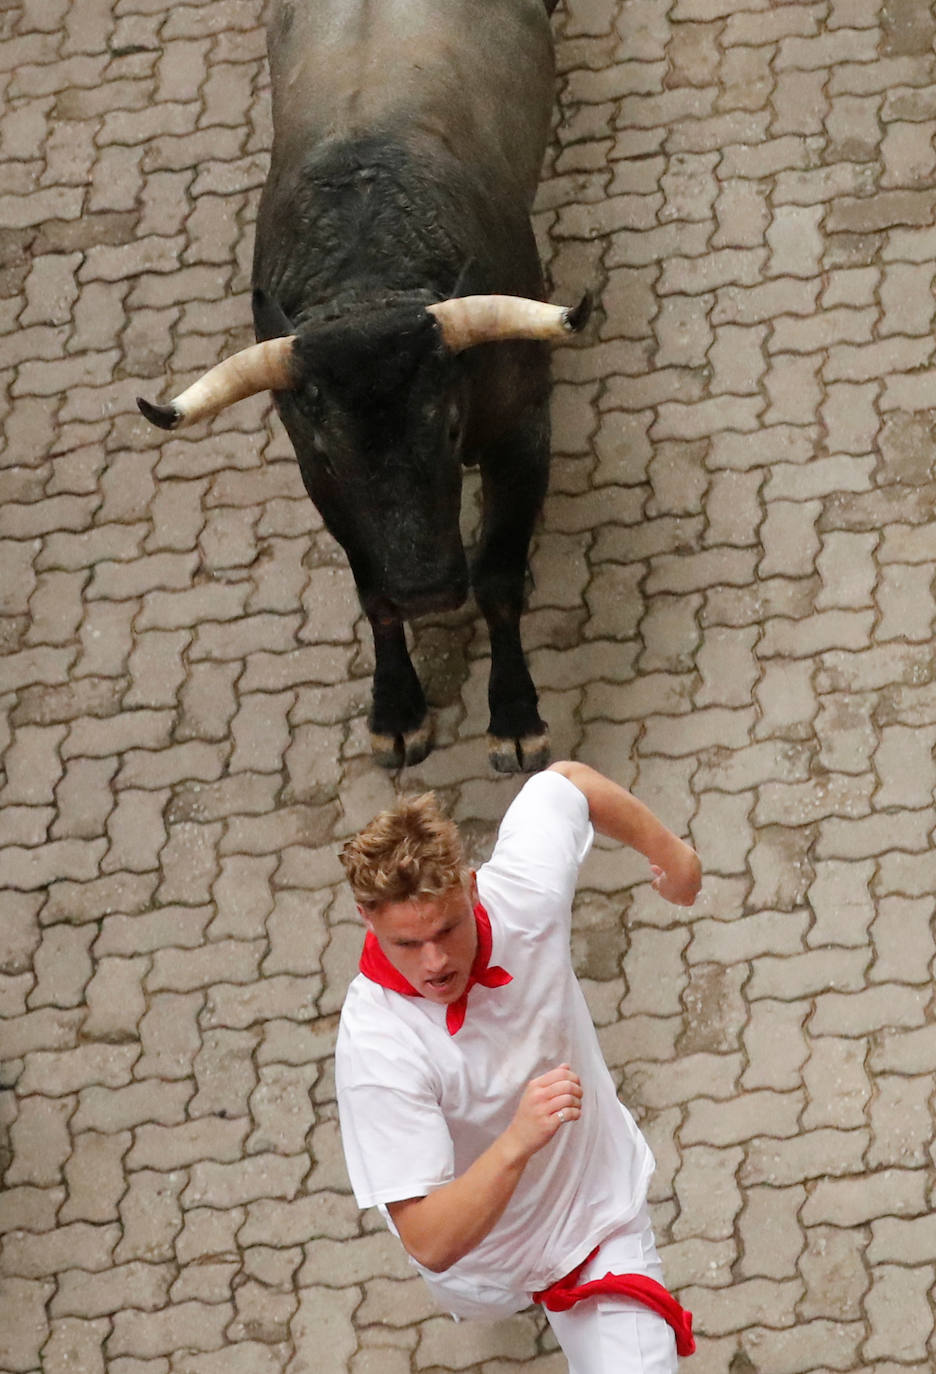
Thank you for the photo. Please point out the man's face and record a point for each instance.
(432, 941)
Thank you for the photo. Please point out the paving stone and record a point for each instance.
(221, 961)
(84, 798)
(101, 737)
(363, 1258)
(13, 993)
(297, 932)
(136, 830)
(893, 1238)
(62, 965)
(278, 995)
(57, 1073)
(750, 1303)
(322, 1322)
(903, 1051)
(240, 795)
(842, 1202)
(30, 1208)
(686, 1261)
(781, 873)
(225, 1073)
(110, 1109)
(75, 1343)
(830, 1343)
(871, 1009)
(243, 897)
(786, 699)
(95, 1178)
(841, 903)
(237, 1357)
(836, 1279)
(23, 1339)
(770, 1233)
(169, 1036)
(720, 1124)
(40, 1140)
(146, 931)
(905, 598)
(48, 1028)
(792, 804)
(746, 937)
(176, 1144)
(902, 938)
(273, 1268)
(193, 1326)
(898, 1118)
(498, 1339)
(714, 1172)
(663, 1085)
(142, 1286)
(898, 1307)
(150, 1216)
(270, 1222)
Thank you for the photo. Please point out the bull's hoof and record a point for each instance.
(528, 754)
(398, 751)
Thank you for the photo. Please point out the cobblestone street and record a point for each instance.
(731, 612)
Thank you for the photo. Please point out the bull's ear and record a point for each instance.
(270, 319)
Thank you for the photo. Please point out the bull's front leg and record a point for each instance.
(400, 729)
(514, 476)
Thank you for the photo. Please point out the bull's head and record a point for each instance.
(374, 403)
(270, 366)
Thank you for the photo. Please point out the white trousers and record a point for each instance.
(618, 1335)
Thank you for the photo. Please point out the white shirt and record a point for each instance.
(418, 1106)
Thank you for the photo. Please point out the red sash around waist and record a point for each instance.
(565, 1293)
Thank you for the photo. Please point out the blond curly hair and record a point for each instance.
(411, 851)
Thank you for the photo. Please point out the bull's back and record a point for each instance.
(473, 78)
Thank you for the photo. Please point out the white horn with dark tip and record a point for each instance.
(266, 366)
(469, 320)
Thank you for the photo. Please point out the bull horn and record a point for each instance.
(266, 366)
(469, 320)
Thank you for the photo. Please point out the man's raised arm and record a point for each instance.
(617, 813)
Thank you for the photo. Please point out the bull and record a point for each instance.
(398, 304)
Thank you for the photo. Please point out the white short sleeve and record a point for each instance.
(396, 1142)
(543, 839)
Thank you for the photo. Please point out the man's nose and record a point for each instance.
(433, 959)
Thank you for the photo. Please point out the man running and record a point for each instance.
(476, 1108)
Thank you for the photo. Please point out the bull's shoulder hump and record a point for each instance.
(379, 37)
(481, 87)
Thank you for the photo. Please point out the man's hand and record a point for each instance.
(678, 874)
(537, 1119)
(441, 1227)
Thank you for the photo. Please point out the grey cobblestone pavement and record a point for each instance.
(731, 612)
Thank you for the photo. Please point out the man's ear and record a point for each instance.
(364, 916)
(473, 890)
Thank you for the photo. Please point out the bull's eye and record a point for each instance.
(308, 401)
(323, 460)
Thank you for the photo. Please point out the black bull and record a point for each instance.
(398, 309)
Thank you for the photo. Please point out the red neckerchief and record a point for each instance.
(377, 967)
(564, 1293)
